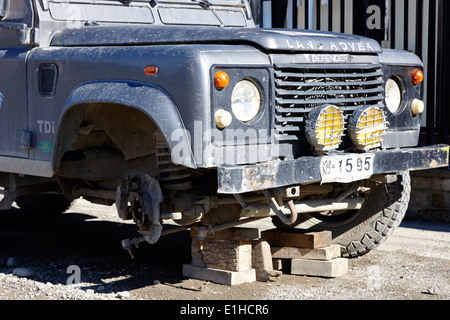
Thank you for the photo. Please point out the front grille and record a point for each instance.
(299, 88)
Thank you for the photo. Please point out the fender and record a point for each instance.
(153, 101)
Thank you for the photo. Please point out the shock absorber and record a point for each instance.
(171, 176)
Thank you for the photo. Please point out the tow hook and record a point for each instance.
(276, 208)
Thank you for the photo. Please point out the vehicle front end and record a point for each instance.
(219, 123)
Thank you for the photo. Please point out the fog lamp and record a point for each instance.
(325, 127)
(367, 126)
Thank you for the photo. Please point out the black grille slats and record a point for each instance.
(299, 88)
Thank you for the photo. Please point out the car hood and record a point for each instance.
(267, 39)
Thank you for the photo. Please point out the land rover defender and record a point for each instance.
(184, 110)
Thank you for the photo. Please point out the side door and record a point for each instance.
(15, 19)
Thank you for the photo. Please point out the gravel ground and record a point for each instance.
(78, 256)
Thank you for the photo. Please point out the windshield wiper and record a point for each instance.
(205, 4)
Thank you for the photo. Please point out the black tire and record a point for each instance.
(359, 232)
(43, 204)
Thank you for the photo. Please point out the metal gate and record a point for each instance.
(419, 26)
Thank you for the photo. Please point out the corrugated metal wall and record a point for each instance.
(419, 26)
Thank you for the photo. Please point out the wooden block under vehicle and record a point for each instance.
(229, 249)
(240, 234)
(295, 238)
(324, 253)
(320, 268)
(225, 277)
(262, 261)
(231, 255)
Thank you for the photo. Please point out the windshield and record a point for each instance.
(230, 13)
(214, 2)
(126, 2)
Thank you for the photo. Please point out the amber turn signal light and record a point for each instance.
(417, 76)
(221, 79)
(151, 70)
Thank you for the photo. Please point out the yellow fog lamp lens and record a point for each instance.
(325, 127)
(367, 126)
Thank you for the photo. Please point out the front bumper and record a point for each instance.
(247, 178)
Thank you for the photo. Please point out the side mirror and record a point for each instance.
(3, 5)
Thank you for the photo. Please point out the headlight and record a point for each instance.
(393, 95)
(245, 101)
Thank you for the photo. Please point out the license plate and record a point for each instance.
(346, 168)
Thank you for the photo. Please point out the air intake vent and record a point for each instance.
(48, 74)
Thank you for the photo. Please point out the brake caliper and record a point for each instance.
(139, 197)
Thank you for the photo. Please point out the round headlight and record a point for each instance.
(245, 101)
(393, 95)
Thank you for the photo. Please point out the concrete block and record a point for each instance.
(324, 253)
(320, 268)
(225, 277)
(297, 239)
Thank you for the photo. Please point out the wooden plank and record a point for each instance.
(262, 261)
(320, 268)
(294, 238)
(229, 255)
(230, 234)
(225, 277)
(324, 253)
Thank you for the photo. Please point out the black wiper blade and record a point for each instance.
(203, 3)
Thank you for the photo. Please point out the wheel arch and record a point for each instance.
(151, 101)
